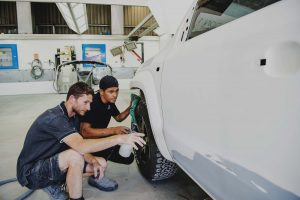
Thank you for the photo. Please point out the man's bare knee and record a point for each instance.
(70, 158)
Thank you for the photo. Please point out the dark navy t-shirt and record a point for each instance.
(44, 138)
(100, 113)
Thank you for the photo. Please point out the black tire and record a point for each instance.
(150, 161)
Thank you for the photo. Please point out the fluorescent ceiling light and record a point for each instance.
(74, 15)
(140, 25)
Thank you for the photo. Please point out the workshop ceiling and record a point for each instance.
(103, 2)
(163, 14)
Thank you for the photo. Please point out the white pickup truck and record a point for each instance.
(222, 100)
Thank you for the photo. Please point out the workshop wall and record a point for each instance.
(45, 47)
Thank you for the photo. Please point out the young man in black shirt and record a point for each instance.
(94, 123)
(55, 153)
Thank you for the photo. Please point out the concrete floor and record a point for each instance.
(17, 114)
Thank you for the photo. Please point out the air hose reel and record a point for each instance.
(37, 70)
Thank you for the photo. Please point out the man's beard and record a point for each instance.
(79, 112)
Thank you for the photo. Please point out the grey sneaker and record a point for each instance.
(104, 184)
(56, 192)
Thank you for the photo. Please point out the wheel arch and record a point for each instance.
(144, 82)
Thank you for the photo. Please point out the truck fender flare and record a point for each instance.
(144, 81)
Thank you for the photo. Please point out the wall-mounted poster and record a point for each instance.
(95, 52)
(8, 56)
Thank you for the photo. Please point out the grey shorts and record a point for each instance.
(44, 173)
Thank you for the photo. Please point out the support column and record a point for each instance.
(117, 20)
(24, 17)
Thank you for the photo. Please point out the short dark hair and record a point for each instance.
(79, 89)
(108, 82)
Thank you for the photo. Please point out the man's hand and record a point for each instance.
(98, 169)
(119, 130)
(132, 139)
(95, 167)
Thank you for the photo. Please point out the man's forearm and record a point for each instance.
(123, 115)
(94, 145)
(83, 146)
(89, 132)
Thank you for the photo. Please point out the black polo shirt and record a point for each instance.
(45, 139)
(100, 113)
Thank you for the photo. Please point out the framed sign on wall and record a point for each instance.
(8, 56)
(95, 52)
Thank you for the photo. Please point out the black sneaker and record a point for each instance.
(104, 184)
(56, 192)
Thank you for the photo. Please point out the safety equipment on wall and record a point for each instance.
(68, 73)
(130, 47)
(37, 70)
(65, 56)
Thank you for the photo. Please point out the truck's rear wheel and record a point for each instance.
(150, 161)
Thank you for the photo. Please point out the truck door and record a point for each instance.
(230, 98)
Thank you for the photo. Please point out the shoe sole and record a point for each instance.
(109, 189)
